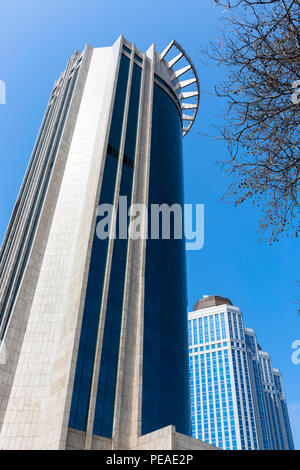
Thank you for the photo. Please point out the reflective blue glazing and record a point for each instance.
(90, 321)
(211, 398)
(165, 395)
(24, 188)
(287, 425)
(34, 211)
(258, 391)
(284, 411)
(110, 350)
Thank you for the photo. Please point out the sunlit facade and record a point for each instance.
(237, 398)
(96, 328)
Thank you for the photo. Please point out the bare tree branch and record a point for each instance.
(260, 50)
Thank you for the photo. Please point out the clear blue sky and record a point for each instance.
(36, 40)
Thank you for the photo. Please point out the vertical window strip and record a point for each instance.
(103, 422)
(93, 299)
(34, 215)
(190, 333)
(242, 331)
(230, 326)
(218, 332)
(164, 316)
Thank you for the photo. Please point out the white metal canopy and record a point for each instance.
(191, 82)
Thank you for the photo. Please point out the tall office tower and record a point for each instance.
(96, 345)
(276, 407)
(257, 384)
(237, 398)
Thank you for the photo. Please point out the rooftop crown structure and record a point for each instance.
(96, 345)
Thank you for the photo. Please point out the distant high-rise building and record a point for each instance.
(96, 346)
(259, 398)
(280, 434)
(237, 398)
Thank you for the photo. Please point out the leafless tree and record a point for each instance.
(260, 51)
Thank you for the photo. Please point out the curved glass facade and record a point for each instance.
(165, 398)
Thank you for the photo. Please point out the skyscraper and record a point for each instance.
(280, 434)
(237, 398)
(256, 377)
(273, 422)
(96, 345)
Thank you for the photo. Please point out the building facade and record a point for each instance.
(237, 398)
(259, 399)
(280, 434)
(96, 347)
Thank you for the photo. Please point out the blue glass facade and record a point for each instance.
(237, 398)
(165, 387)
(115, 299)
(40, 166)
(258, 390)
(280, 435)
(165, 398)
(283, 409)
(110, 349)
(91, 313)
